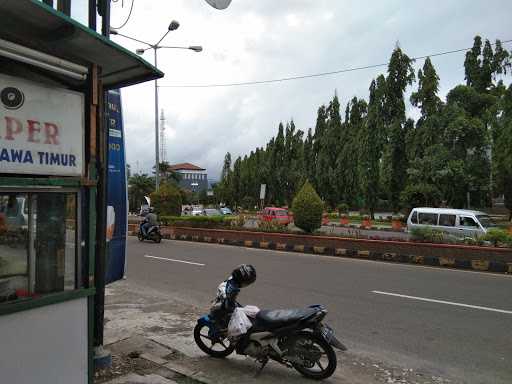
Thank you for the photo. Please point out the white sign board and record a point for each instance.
(41, 129)
(263, 189)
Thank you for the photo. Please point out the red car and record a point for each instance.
(275, 215)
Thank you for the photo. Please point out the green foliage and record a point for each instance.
(307, 209)
(503, 149)
(271, 226)
(138, 187)
(167, 201)
(237, 221)
(498, 237)
(199, 221)
(428, 234)
(373, 156)
(372, 140)
(420, 195)
(343, 208)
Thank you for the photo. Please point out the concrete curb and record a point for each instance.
(442, 261)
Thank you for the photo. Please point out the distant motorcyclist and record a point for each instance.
(150, 220)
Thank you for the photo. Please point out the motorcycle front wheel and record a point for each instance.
(157, 237)
(140, 236)
(214, 347)
(318, 358)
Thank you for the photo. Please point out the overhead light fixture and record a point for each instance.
(42, 60)
(174, 25)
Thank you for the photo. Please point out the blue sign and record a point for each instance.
(117, 198)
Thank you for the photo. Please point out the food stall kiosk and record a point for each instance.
(54, 74)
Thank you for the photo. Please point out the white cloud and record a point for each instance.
(254, 40)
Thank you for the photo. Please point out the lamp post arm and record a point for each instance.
(163, 37)
(170, 46)
(131, 38)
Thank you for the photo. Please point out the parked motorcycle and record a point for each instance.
(296, 338)
(153, 233)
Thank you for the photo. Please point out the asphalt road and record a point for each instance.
(465, 334)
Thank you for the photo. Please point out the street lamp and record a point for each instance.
(174, 25)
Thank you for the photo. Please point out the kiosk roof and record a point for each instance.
(38, 26)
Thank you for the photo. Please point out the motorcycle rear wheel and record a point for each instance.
(324, 361)
(201, 333)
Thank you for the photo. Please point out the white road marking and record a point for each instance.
(350, 259)
(177, 261)
(444, 302)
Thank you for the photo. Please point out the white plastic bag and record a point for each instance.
(250, 310)
(239, 323)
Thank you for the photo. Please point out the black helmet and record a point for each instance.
(244, 275)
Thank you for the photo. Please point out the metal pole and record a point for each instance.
(101, 357)
(157, 144)
(92, 15)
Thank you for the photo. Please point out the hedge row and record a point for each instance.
(199, 221)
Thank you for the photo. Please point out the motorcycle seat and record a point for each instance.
(276, 318)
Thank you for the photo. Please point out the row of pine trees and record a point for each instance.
(377, 158)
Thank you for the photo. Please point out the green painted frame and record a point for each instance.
(88, 198)
(28, 182)
(54, 298)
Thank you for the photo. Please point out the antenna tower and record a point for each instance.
(163, 147)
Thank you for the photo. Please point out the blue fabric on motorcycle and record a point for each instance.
(232, 289)
(277, 318)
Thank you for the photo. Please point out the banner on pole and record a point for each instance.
(117, 209)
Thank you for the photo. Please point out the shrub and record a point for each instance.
(343, 209)
(167, 201)
(269, 226)
(428, 234)
(498, 236)
(307, 209)
(238, 221)
(198, 221)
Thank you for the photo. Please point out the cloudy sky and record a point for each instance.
(266, 39)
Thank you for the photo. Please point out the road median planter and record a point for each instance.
(444, 255)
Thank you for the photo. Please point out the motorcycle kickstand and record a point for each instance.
(263, 363)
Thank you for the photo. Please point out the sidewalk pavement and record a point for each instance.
(150, 337)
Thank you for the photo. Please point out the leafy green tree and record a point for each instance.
(376, 153)
(224, 189)
(236, 182)
(276, 177)
(307, 209)
(329, 124)
(350, 157)
(320, 152)
(466, 135)
(371, 144)
(400, 75)
(138, 187)
(293, 164)
(503, 151)
(166, 174)
(309, 157)
(167, 201)
(481, 66)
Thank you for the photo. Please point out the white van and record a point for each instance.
(458, 222)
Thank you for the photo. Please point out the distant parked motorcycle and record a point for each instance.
(153, 233)
(296, 338)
